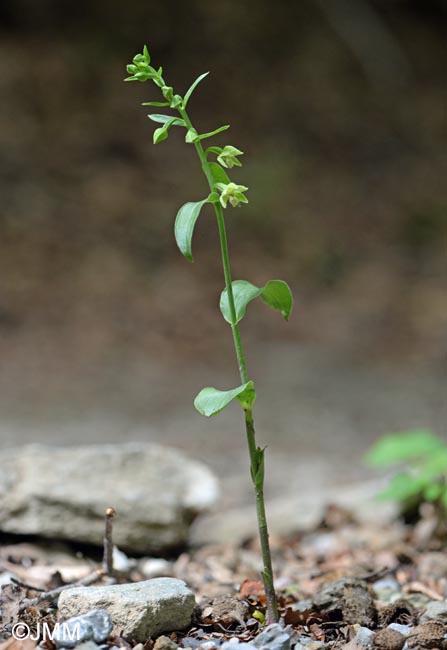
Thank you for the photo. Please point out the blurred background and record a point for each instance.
(107, 333)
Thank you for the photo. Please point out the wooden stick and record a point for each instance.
(107, 562)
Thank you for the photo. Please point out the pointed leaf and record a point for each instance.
(155, 104)
(193, 86)
(163, 119)
(243, 293)
(277, 294)
(184, 226)
(204, 136)
(211, 401)
(219, 174)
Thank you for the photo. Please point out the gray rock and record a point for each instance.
(93, 626)
(235, 644)
(62, 492)
(306, 643)
(405, 630)
(436, 610)
(139, 610)
(276, 637)
(364, 637)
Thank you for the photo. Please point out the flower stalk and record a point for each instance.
(236, 295)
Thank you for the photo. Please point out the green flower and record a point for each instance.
(139, 69)
(233, 193)
(227, 157)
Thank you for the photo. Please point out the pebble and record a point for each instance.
(137, 610)
(403, 629)
(364, 637)
(165, 643)
(389, 640)
(436, 610)
(155, 567)
(276, 637)
(95, 626)
(306, 643)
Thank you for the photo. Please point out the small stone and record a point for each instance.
(121, 562)
(165, 643)
(234, 644)
(89, 645)
(138, 610)
(389, 640)
(427, 635)
(403, 629)
(364, 637)
(276, 637)
(156, 567)
(94, 625)
(306, 643)
(436, 610)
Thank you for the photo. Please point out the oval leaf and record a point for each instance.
(193, 87)
(211, 401)
(243, 293)
(277, 294)
(218, 173)
(184, 226)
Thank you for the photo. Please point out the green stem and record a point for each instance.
(267, 574)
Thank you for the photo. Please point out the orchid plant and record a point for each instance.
(237, 294)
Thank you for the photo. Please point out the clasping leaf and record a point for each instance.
(276, 294)
(184, 226)
(210, 401)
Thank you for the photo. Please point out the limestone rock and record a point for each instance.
(138, 610)
(62, 493)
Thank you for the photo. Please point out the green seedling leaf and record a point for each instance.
(219, 174)
(211, 401)
(259, 616)
(164, 119)
(275, 293)
(184, 226)
(400, 447)
(204, 136)
(192, 88)
(402, 487)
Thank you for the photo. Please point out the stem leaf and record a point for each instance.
(163, 119)
(184, 226)
(192, 88)
(218, 173)
(276, 294)
(204, 136)
(211, 401)
(155, 104)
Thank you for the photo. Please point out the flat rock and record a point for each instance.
(63, 492)
(138, 610)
